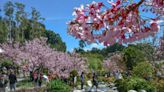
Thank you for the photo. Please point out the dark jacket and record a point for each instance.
(12, 78)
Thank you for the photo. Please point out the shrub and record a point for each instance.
(107, 79)
(160, 85)
(8, 64)
(143, 69)
(132, 56)
(134, 83)
(74, 73)
(25, 84)
(89, 76)
(58, 86)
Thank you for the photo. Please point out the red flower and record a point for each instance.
(118, 2)
(100, 4)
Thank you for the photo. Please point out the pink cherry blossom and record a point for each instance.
(118, 24)
(37, 53)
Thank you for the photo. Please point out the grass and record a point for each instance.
(25, 84)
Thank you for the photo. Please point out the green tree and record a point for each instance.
(94, 60)
(55, 40)
(111, 49)
(21, 18)
(132, 56)
(9, 13)
(147, 50)
(35, 24)
(82, 44)
(143, 70)
(3, 31)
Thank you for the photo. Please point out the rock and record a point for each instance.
(89, 83)
(111, 85)
(114, 88)
(143, 90)
(77, 91)
(132, 91)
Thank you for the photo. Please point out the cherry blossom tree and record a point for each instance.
(37, 54)
(159, 53)
(120, 23)
(114, 62)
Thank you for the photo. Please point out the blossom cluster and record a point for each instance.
(120, 23)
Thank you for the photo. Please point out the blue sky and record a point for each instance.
(57, 13)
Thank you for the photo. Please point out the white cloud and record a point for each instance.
(94, 45)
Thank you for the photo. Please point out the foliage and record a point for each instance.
(3, 31)
(55, 40)
(8, 64)
(89, 75)
(143, 70)
(25, 84)
(104, 52)
(82, 44)
(58, 86)
(107, 79)
(111, 49)
(74, 73)
(160, 85)
(94, 60)
(134, 83)
(132, 56)
(147, 50)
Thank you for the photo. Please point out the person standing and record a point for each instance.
(40, 77)
(31, 75)
(35, 76)
(74, 81)
(2, 89)
(82, 80)
(12, 81)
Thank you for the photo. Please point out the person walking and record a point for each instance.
(12, 81)
(82, 80)
(94, 81)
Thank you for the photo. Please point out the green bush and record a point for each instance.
(94, 61)
(134, 83)
(25, 84)
(58, 86)
(107, 79)
(160, 85)
(132, 56)
(74, 73)
(8, 64)
(143, 69)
